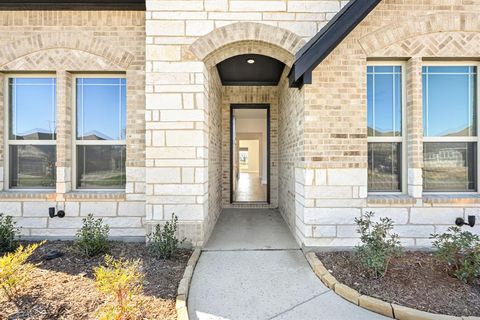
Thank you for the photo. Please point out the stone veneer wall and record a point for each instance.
(65, 43)
(334, 178)
(184, 40)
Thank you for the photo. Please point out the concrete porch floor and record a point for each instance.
(250, 229)
(252, 268)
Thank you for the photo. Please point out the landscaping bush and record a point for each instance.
(461, 251)
(92, 238)
(378, 244)
(8, 234)
(163, 242)
(121, 281)
(15, 273)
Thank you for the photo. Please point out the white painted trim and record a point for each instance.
(76, 142)
(403, 138)
(6, 125)
(466, 63)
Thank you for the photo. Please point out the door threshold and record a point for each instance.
(249, 202)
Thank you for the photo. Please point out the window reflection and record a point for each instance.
(384, 95)
(32, 108)
(101, 108)
(449, 101)
(384, 163)
(101, 166)
(32, 166)
(450, 166)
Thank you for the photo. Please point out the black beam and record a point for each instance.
(322, 44)
(136, 5)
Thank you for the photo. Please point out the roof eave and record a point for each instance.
(327, 39)
(133, 5)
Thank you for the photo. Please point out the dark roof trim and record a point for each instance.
(327, 39)
(136, 5)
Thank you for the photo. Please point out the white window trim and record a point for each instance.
(466, 63)
(6, 131)
(76, 142)
(403, 138)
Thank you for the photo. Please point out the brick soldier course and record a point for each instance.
(178, 112)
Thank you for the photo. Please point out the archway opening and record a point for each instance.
(251, 74)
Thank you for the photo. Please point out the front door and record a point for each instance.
(250, 153)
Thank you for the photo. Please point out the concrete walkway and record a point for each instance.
(252, 268)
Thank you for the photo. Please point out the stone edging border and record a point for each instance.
(390, 310)
(184, 286)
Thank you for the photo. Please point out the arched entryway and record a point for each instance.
(241, 47)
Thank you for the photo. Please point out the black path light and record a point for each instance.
(461, 222)
(52, 214)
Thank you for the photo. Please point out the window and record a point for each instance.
(31, 132)
(100, 132)
(450, 128)
(385, 132)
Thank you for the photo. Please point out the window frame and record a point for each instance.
(6, 132)
(76, 142)
(475, 139)
(403, 138)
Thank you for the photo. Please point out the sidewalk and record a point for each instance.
(253, 269)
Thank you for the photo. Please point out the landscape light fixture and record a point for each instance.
(461, 222)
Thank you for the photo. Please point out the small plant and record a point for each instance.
(163, 243)
(8, 234)
(461, 251)
(378, 244)
(92, 238)
(15, 273)
(121, 281)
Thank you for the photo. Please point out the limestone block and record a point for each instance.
(376, 305)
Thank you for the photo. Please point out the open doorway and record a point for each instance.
(250, 153)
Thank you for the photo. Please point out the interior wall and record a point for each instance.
(253, 147)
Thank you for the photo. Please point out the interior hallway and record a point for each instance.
(250, 188)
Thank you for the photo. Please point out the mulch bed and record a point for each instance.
(64, 288)
(416, 280)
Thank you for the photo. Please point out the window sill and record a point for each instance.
(390, 199)
(28, 194)
(96, 195)
(473, 198)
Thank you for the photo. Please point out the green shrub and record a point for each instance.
(378, 244)
(163, 242)
(92, 238)
(15, 273)
(461, 251)
(121, 281)
(8, 234)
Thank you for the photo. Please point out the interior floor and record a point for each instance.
(250, 188)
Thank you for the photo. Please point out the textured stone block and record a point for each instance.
(376, 305)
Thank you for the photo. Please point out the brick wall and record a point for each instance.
(215, 155)
(291, 153)
(335, 171)
(65, 43)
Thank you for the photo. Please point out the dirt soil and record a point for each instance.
(416, 280)
(64, 288)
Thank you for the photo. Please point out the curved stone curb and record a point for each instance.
(390, 310)
(184, 285)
